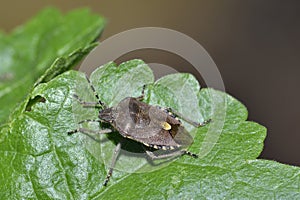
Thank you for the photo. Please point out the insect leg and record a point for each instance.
(140, 98)
(189, 153)
(154, 157)
(196, 124)
(172, 154)
(90, 120)
(88, 131)
(95, 93)
(113, 163)
(84, 130)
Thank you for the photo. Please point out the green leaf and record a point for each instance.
(30, 50)
(40, 161)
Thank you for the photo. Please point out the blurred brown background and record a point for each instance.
(254, 43)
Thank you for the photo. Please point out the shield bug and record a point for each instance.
(154, 127)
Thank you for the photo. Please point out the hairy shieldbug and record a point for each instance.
(152, 126)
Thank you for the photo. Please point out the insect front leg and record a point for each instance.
(113, 163)
(175, 114)
(88, 131)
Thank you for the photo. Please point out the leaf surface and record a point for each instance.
(40, 161)
(31, 49)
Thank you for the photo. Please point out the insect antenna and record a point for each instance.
(95, 93)
(140, 98)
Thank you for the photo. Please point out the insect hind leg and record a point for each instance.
(172, 154)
